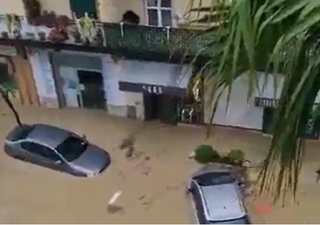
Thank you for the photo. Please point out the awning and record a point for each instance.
(154, 78)
(266, 102)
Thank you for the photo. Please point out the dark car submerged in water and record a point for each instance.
(56, 148)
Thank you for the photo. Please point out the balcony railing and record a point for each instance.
(115, 36)
(156, 39)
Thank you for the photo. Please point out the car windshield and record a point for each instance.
(214, 178)
(71, 148)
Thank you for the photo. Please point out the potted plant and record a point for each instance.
(8, 22)
(59, 33)
(77, 36)
(30, 35)
(4, 34)
(42, 36)
(99, 39)
(16, 25)
(13, 24)
(86, 27)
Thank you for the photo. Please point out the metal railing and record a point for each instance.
(137, 38)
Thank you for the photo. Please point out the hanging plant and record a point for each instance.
(8, 22)
(13, 24)
(86, 28)
(16, 25)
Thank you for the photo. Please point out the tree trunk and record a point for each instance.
(4, 95)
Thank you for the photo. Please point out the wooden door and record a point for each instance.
(23, 74)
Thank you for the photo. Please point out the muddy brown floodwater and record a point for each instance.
(152, 182)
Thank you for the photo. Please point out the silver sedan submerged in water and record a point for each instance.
(57, 149)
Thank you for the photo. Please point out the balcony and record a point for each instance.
(155, 39)
(111, 38)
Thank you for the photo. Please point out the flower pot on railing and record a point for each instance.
(77, 37)
(13, 24)
(5, 34)
(99, 39)
(42, 36)
(30, 36)
(8, 22)
(16, 26)
(57, 35)
(86, 28)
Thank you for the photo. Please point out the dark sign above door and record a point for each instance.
(266, 102)
(151, 89)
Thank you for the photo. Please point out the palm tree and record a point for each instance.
(283, 37)
(5, 97)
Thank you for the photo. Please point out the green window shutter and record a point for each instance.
(80, 7)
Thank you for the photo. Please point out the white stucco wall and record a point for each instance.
(241, 111)
(42, 73)
(165, 74)
(118, 101)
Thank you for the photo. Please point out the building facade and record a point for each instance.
(257, 111)
(123, 62)
(127, 76)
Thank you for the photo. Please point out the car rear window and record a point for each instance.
(19, 132)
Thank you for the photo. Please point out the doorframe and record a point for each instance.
(57, 80)
(76, 70)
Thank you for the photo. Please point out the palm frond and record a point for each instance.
(283, 37)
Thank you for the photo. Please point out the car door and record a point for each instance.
(53, 160)
(29, 152)
(197, 204)
(42, 155)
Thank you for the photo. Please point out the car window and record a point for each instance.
(71, 148)
(198, 204)
(40, 150)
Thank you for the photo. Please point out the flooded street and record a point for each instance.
(152, 183)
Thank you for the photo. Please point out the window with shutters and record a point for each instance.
(159, 12)
(80, 7)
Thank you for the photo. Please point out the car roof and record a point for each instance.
(49, 135)
(222, 202)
